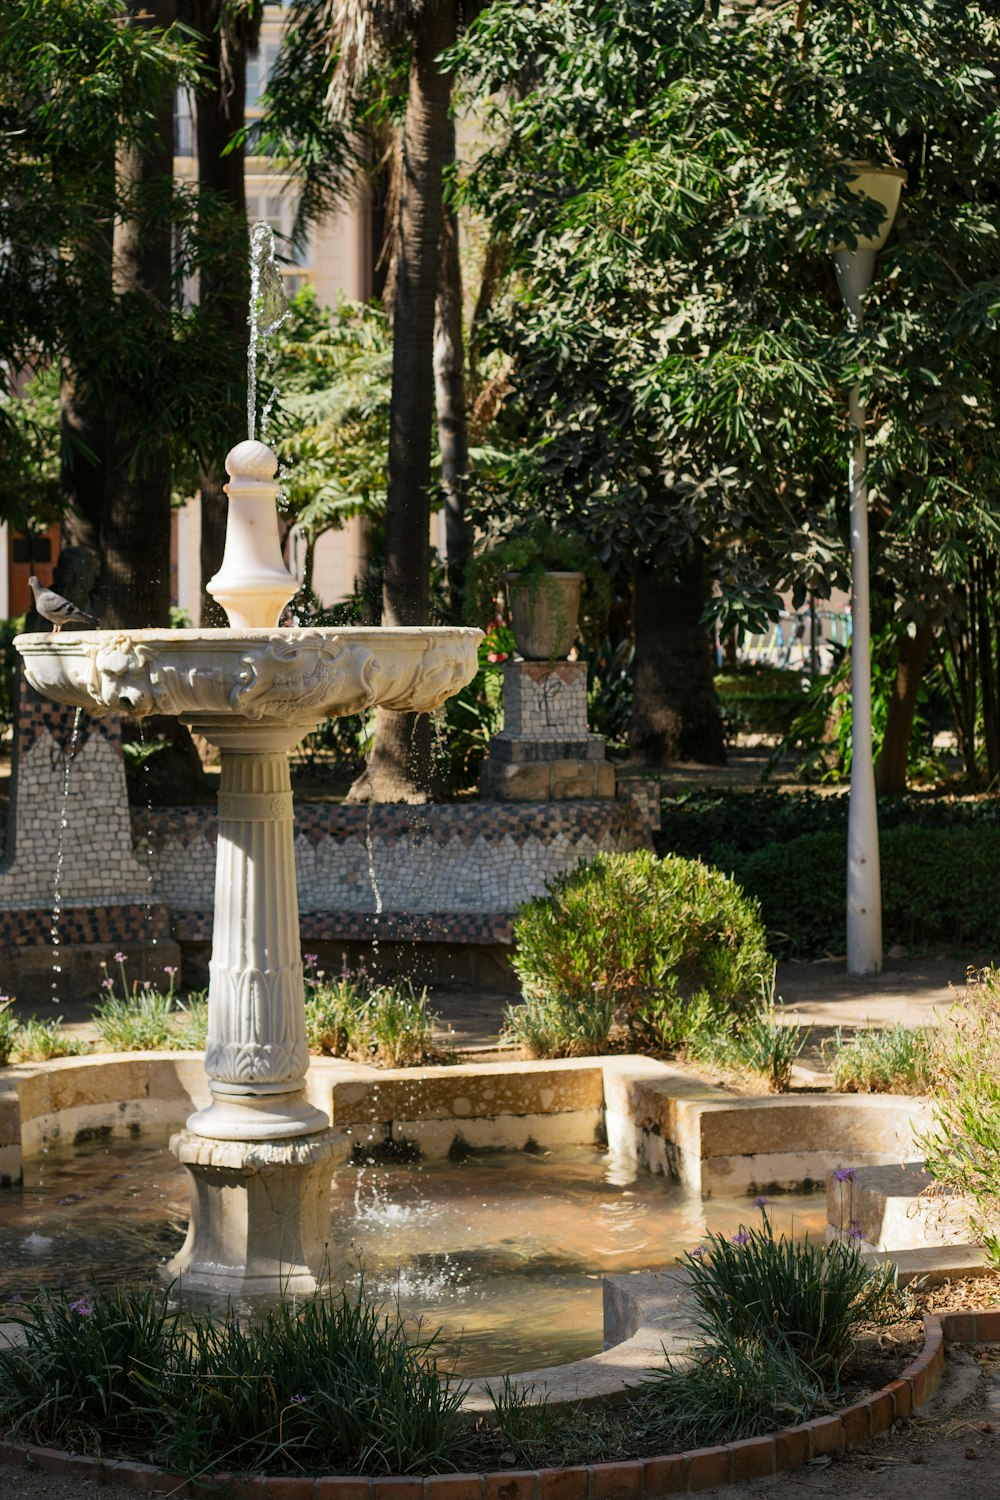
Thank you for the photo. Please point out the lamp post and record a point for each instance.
(855, 269)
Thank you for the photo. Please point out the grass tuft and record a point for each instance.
(897, 1061)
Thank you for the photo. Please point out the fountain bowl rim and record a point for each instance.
(39, 640)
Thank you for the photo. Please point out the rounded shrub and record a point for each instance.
(664, 947)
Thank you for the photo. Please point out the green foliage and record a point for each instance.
(9, 1030)
(139, 1022)
(79, 1379)
(333, 368)
(658, 944)
(472, 716)
(962, 1149)
(331, 1385)
(139, 1017)
(899, 1060)
(191, 1023)
(77, 87)
(532, 552)
(732, 1390)
(550, 1025)
(759, 1044)
(667, 180)
(779, 1293)
(789, 850)
(42, 1041)
(351, 1016)
(936, 889)
(759, 700)
(9, 669)
(610, 683)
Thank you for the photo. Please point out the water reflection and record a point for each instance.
(504, 1252)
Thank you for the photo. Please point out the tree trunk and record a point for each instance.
(82, 420)
(675, 715)
(400, 765)
(134, 589)
(224, 291)
(81, 472)
(449, 388)
(890, 769)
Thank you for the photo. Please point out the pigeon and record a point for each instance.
(57, 610)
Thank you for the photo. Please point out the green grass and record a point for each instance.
(42, 1041)
(351, 1016)
(899, 1060)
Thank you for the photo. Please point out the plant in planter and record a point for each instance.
(549, 576)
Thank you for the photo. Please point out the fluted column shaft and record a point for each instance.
(257, 1056)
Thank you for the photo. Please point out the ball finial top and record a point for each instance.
(251, 460)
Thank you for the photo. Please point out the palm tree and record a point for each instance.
(356, 37)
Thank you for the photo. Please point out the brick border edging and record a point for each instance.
(631, 1479)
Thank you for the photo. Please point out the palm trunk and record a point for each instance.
(134, 588)
(400, 766)
(890, 769)
(449, 387)
(675, 715)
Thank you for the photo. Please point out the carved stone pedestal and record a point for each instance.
(260, 1214)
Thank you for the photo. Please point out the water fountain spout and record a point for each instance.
(253, 585)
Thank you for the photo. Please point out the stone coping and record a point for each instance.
(628, 1479)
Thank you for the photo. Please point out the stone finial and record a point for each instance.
(251, 460)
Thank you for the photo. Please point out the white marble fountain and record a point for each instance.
(258, 1157)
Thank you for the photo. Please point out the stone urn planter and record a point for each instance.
(545, 611)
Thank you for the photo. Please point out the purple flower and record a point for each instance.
(170, 969)
(82, 1308)
(700, 1253)
(107, 984)
(311, 958)
(760, 1202)
(741, 1237)
(297, 1400)
(119, 958)
(854, 1233)
(845, 1174)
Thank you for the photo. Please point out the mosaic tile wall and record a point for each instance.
(475, 858)
(452, 873)
(80, 842)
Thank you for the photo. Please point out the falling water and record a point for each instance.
(150, 892)
(268, 310)
(61, 856)
(369, 845)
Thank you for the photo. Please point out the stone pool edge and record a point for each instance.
(654, 1113)
(629, 1479)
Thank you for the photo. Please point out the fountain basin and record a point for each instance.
(293, 678)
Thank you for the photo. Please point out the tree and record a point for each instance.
(345, 53)
(75, 90)
(669, 182)
(334, 371)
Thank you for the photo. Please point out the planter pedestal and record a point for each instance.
(544, 752)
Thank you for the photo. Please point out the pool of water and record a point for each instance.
(504, 1252)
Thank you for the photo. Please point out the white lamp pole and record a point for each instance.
(855, 269)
